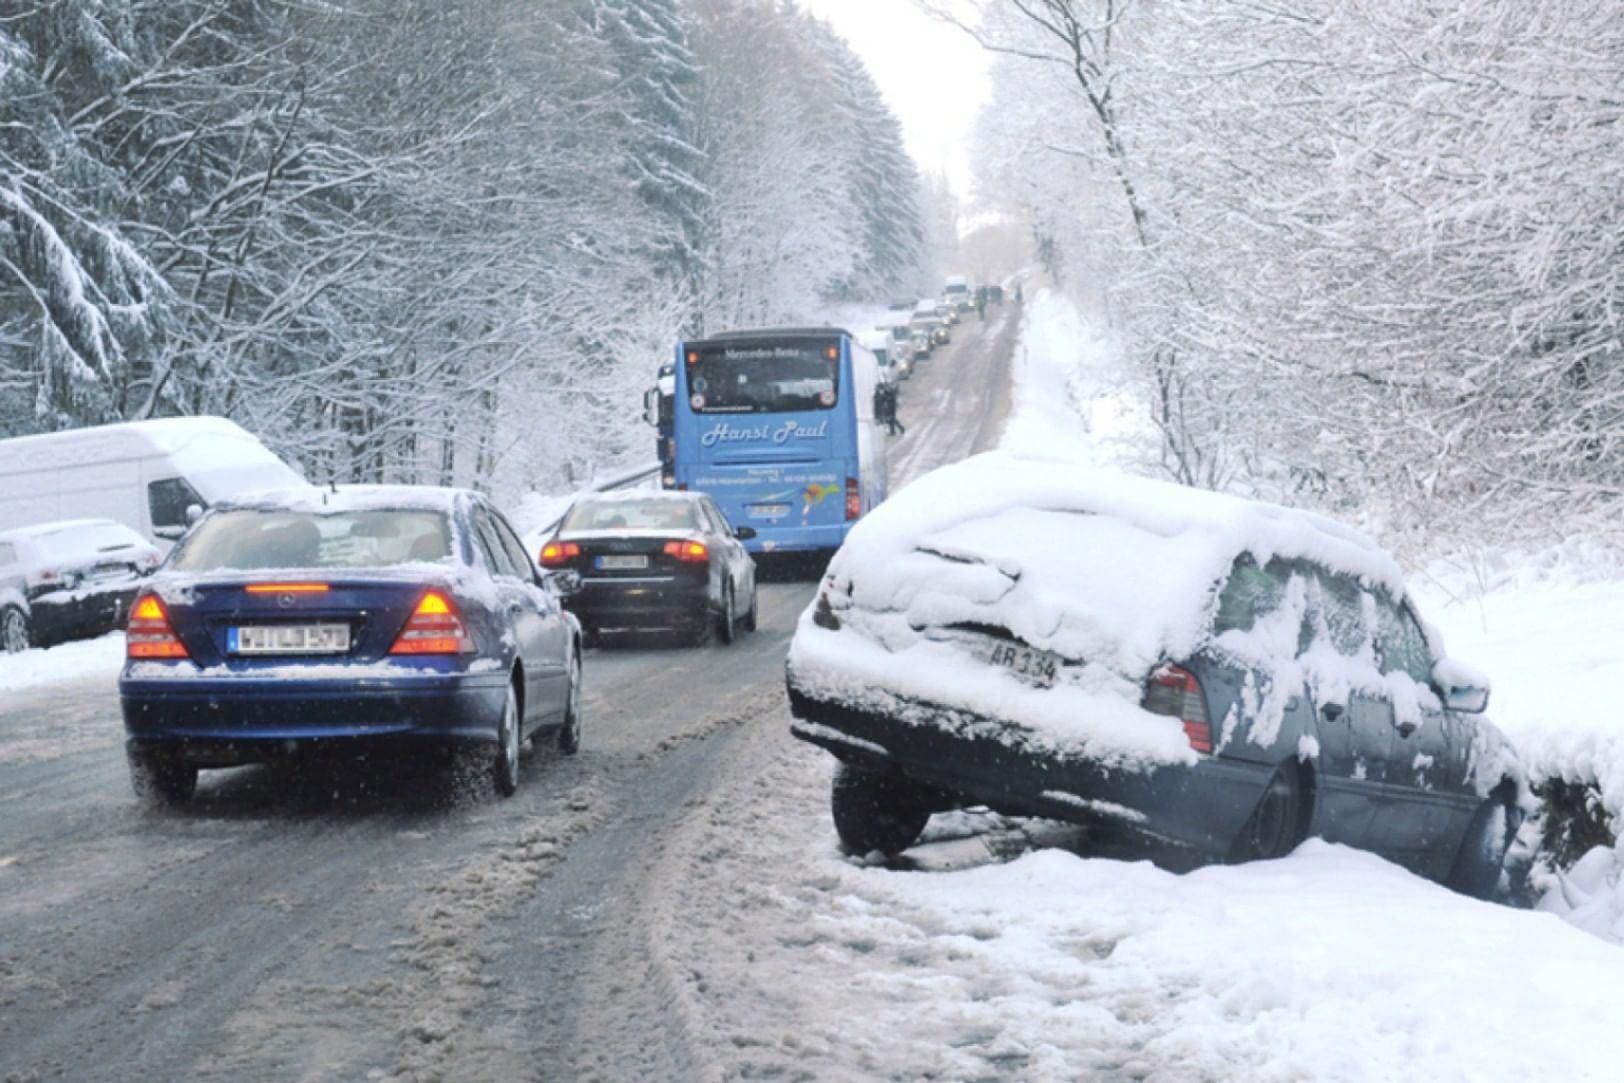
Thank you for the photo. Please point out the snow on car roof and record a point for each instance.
(347, 498)
(622, 496)
(40, 529)
(1097, 565)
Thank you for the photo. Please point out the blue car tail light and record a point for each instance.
(149, 634)
(435, 627)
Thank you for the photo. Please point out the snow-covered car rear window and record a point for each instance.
(267, 539)
(632, 515)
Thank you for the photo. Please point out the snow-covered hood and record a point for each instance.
(1097, 566)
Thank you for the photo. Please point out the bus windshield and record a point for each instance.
(761, 379)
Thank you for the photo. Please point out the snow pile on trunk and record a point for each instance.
(1114, 573)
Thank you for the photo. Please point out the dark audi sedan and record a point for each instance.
(389, 622)
(636, 561)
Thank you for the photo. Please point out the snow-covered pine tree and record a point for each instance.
(78, 302)
(658, 76)
(882, 183)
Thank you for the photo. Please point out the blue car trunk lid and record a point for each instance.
(374, 609)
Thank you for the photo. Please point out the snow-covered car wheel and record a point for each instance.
(505, 763)
(14, 637)
(569, 735)
(1276, 826)
(157, 781)
(1476, 871)
(751, 619)
(876, 811)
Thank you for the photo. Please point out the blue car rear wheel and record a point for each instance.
(158, 780)
(505, 768)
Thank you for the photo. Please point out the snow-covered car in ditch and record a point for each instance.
(1047, 639)
(69, 580)
(373, 623)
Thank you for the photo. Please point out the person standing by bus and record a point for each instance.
(886, 398)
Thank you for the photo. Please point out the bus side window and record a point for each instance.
(167, 501)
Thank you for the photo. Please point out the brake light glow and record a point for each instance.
(149, 633)
(435, 627)
(556, 554)
(689, 552)
(854, 500)
(286, 588)
(1175, 692)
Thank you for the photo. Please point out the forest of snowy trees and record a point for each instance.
(423, 240)
(1366, 255)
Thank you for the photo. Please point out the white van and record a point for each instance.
(142, 473)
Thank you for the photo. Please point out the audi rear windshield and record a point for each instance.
(763, 378)
(252, 540)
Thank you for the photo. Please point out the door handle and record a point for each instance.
(1331, 711)
(1405, 729)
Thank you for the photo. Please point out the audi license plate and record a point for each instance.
(288, 639)
(622, 563)
(1028, 663)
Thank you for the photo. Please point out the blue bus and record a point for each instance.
(780, 428)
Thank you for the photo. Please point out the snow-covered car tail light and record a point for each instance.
(435, 627)
(1175, 692)
(558, 554)
(689, 552)
(149, 633)
(854, 500)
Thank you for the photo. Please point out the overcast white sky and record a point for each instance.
(933, 75)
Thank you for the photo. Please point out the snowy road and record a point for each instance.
(317, 924)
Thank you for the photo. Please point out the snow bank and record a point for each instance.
(69, 661)
(1551, 632)
(1330, 964)
(1070, 397)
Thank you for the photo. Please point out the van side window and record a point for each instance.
(168, 499)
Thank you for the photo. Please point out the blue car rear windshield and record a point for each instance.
(257, 540)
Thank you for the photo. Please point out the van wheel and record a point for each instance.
(1276, 826)
(14, 637)
(158, 780)
(876, 810)
(1476, 872)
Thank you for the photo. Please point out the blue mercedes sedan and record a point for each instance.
(367, 622)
